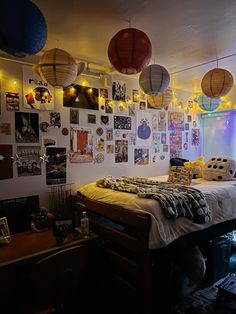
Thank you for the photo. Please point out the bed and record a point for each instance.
(137, 235)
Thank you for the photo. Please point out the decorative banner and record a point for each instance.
(141, 156)
(81, 141)
(56, 165)
(27, 127)
(30, 160)
(12, 101)
(175, 121)
(121, 151)
(119, 90)
(6, 165)
(37, 94)
(144, 129)
(175, 144)
(195, 137)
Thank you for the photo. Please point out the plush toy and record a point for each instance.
(219, 169)
(196, 166)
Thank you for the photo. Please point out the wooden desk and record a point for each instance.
(29, 246)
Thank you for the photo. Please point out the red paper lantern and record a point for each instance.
(130, 51)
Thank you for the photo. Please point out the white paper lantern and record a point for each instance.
(207, 103)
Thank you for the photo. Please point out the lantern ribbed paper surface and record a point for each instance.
(154, 79)
(58, 67)
(129, 51)
(23, 30)
(207, 103)
(162, 100)
(217, 82)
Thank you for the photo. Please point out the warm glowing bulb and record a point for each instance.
(14, 82)
(90, 90)
(228, 103)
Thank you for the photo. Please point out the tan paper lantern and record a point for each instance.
(162, 100)
(217, 82)
(58, 68)
(154, 79)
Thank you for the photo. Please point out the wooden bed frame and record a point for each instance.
(126, 249)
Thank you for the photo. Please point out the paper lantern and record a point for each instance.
(207, 103)
(23, 30)
(129, 51)
(217, 82)
(154, 79)
(58, 68)
(162, 100)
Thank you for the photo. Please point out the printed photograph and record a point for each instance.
(92, 118)
(55, 119)
(12, 101)
(104, 93)
(74, 116)
(26, 127)
(118, 90)
(122, 123)
(135, 94)
(56, 165)
(110, 148)
(81, 145)
(141, 156)
(108, 106)
(49, 141)
(109, 134)
(175, 121)
(30, 160)
(121, 151)
(4, 229)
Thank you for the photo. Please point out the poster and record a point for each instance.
(143, 129)
(122, 123)
(26, 127)
(30, 160)
(119, 90)
(175, 144)
(56, 165)
(175, 121)
(37, 94)
(121, 151)
(81, 145)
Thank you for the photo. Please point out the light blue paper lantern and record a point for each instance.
(207, 103)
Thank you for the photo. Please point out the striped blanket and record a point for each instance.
(176, 200)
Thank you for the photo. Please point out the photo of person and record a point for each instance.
(30, 160)
(104, 93)
(121, 151)
(108, 106)
(26, 127)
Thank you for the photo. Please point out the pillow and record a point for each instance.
(197, 166)
(219, 169)
(180, 174)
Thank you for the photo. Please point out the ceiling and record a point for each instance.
(183, 33)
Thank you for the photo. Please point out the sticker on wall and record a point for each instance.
(37, 94)
(44, 126)
(6, 165)
(104, 119)
(144, 129)
(156, 137)
(55, 119)
(195, 137)
(74, 116)
(56, 165)
(157, 147)
(30, 160)
(108, 106)
(119, 90)
(109, 134)
(83, 97)
(12, 101)
(49, 141)
(110, 148)
(142, 105)
(141, 156)
(81, 145)
(121, 151)
(175, 121)
(154, 158)
(99, 131)
(125, 135)
(117, 134)
(175, 144)
(131, 109)
(123, 123)
(99, 158)
(92, 118)
(5, 128)
(26, 127)
(161, 121)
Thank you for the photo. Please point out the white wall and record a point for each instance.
(77, 173)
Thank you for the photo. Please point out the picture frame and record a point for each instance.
(5, 236)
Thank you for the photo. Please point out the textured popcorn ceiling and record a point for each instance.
(183, 33)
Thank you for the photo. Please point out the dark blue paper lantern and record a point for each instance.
(23, 29)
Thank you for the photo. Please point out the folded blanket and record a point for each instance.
(176, 200)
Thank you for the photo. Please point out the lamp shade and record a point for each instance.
(129, 51)
(154, 79)
(162, 100)
(217, 82)
(207, 103)
(58, 67)
(23, 30)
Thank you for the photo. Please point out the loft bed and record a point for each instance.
(137, 237)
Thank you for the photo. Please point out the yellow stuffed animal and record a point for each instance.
(196, 166)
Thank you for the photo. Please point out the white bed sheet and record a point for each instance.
(220, 196)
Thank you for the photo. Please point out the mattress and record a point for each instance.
(220, 196)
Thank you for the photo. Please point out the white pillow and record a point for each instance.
(219, 169)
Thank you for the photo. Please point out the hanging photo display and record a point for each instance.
(37, 94)
(123, 123)
(121, 151)
(175, 121)
(12, 101)
(195, 137)
(144, 129)
(56, 165)
(175, 144)
(78, 96)
(81, 145)
(141, 156)
(30, 160)
(119, 90)
(6, 164)
(26, 127)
